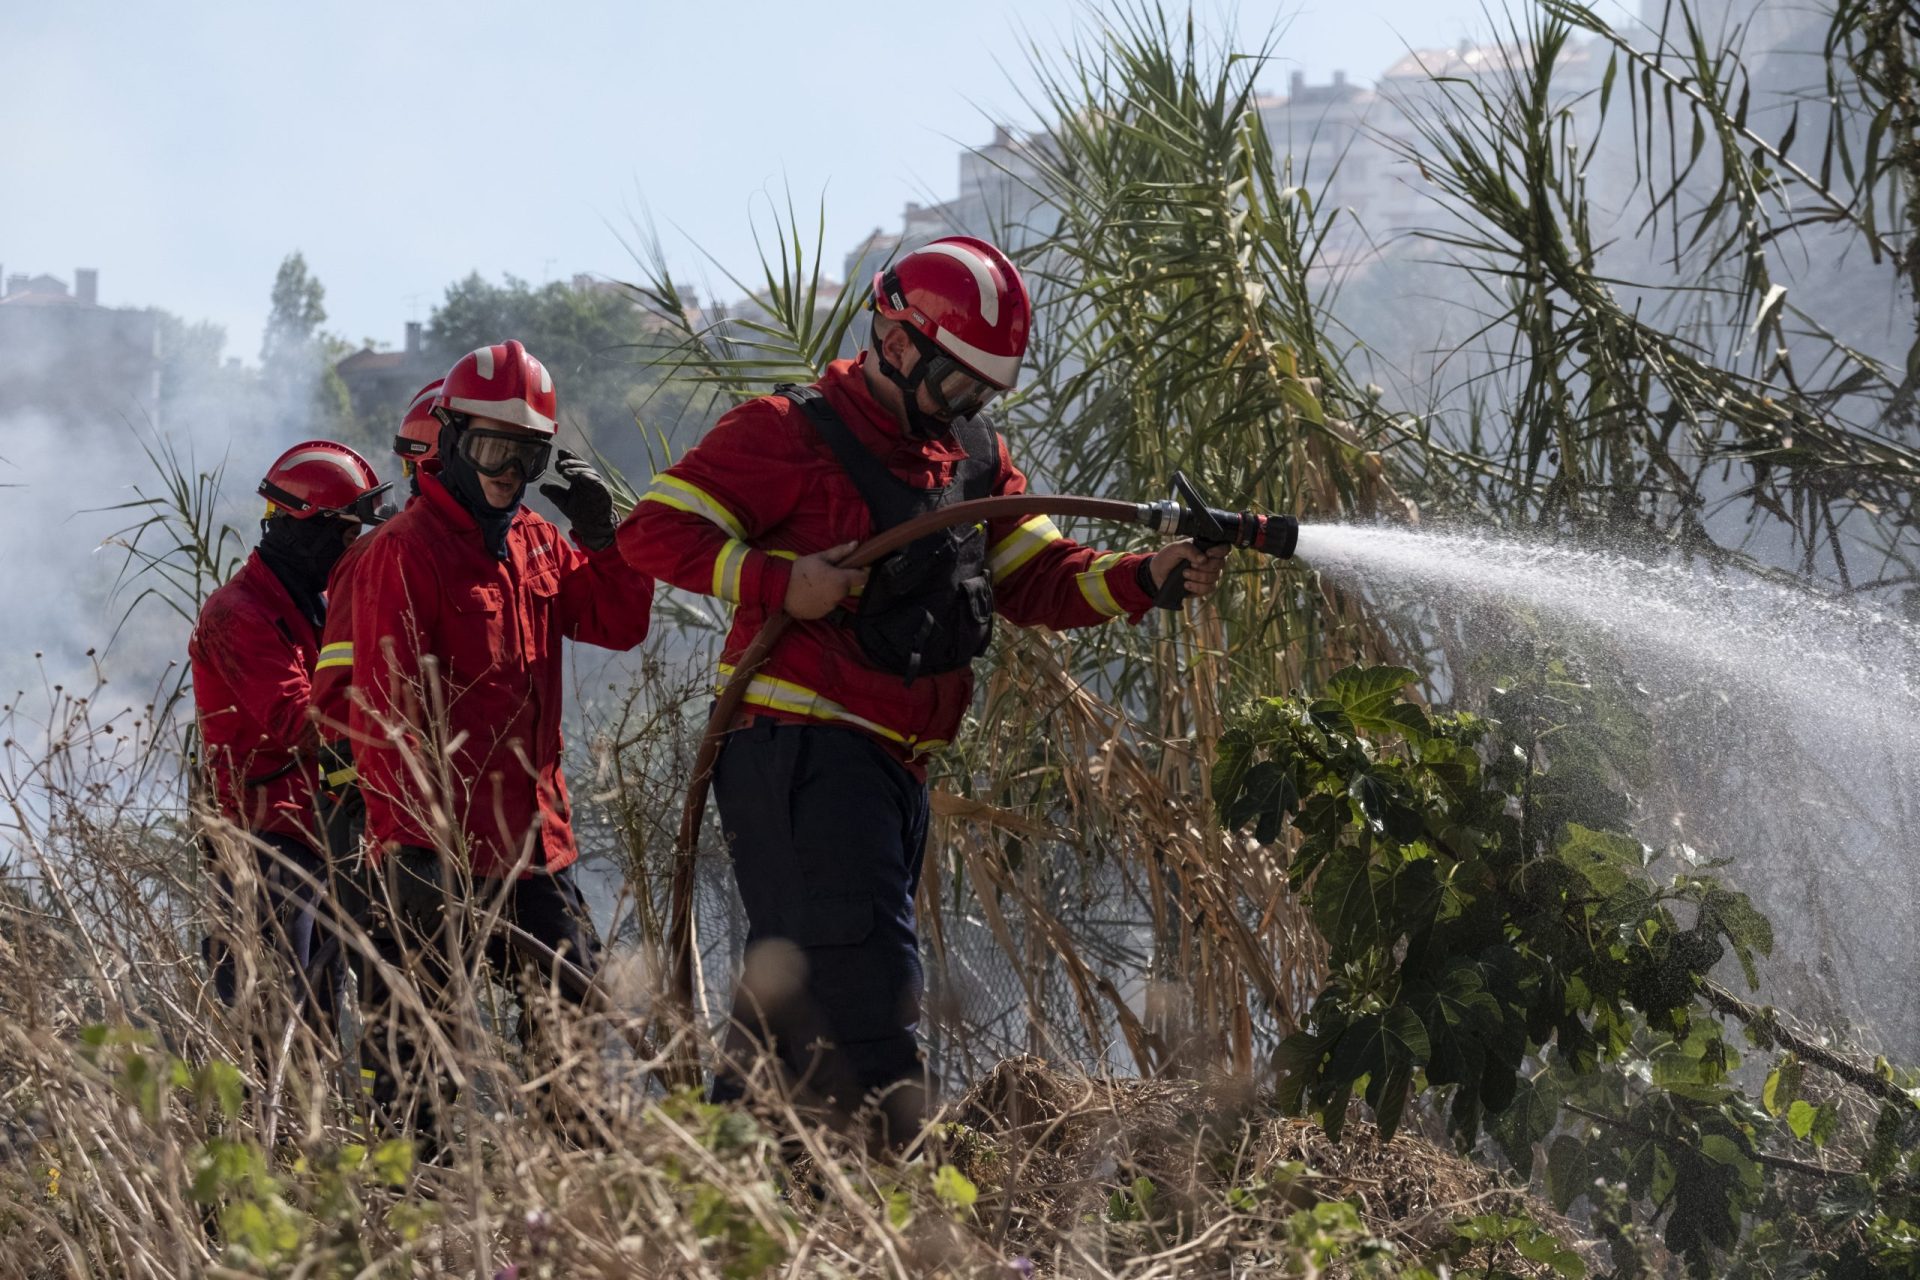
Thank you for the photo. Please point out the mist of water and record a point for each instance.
(1787, 726)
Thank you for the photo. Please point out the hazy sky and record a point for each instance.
(185, 148)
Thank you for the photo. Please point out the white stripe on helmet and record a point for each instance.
(483, 361)
(1001, 371)
(513, 412)
(989, 295)
(324, 455)
(546, 379)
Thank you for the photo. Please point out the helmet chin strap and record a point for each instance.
(920, 424)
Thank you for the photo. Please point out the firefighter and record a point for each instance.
(416, 445)
(459, 608)
(253, 653)
(821, 783)
(343, 811)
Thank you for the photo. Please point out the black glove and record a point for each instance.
(584, 500)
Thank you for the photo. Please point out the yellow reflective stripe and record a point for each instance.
(338, 654)
(726, 570)
(340, 777)
(1028, 539)
(1093, 585)
(672, 491)
(795, 699)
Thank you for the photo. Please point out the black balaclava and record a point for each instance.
(463, 482)
(920, 424)
(302, 554)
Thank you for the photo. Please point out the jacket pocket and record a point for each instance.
(482, 620)
(542, 588)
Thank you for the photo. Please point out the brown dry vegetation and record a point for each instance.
(141, 1138)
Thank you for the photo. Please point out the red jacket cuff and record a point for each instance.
(1123, 580)
(764, 580)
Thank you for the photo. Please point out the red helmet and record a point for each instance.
(967, 299)
(322, 478)
(503, 382)
(418, 440)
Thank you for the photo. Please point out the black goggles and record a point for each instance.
(365, 509)
(957, 392)
(491, 453)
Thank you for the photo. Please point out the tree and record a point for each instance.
(598, 343)
(297, 358)
(299, 309)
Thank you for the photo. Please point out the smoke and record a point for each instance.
(83, 470)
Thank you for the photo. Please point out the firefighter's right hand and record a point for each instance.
(819, 583)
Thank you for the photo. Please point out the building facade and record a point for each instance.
(66, 356)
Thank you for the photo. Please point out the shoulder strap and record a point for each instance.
(890, 499)
(982, 467)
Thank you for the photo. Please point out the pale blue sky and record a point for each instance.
(184, 148)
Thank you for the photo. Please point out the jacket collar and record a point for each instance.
(448, 509)
(265, 586)
(845, 386)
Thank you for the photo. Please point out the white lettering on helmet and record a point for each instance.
(483, 361)
(989, 296)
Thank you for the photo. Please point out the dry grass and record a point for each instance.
(141, 1136)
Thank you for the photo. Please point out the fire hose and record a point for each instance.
(1183, 514)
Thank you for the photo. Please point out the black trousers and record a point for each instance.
(828, 832)
(413, 935)
(280, 918)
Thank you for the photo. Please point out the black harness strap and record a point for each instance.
(890, 499)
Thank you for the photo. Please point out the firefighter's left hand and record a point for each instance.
(584, 500)
(1202, 567)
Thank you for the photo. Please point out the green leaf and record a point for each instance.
(1371, 698)
(1783, 1085)
(1233, 756)
(954, 1189)
(1606, 860)
(1569, 1171)
(1800, 1118)
(1405, 1049)
(221, 1083)
(1343, 904)
(1884, 1155)
(393, 1161)
(1330, 718)
(1266, 796)
(1368, 690)
(1824, 1121)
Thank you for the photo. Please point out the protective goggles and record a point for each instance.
(956, 391)
(491, 453)
(365, 509)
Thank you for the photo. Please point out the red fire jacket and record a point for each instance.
(428, 589)
(763, 488)
(333, 674)
(253, 655)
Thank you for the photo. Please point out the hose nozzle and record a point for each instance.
(1186, 514)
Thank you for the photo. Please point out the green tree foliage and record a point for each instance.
(297, 358)
(599, 344)
(298, 311)
(1501, 945)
